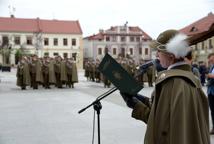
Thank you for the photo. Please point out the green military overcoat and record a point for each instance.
(25, 72)
(179, 111)
(63, 72)
(39, 75)
(52, 77)
(74, 73)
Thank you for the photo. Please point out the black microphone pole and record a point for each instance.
(97, 107)
(97, 104)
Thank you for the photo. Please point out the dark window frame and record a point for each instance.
(17, 40)
(29, 40)
(55, 42)
(73, 42)
(65, 41)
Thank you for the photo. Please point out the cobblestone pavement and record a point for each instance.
(50, 116)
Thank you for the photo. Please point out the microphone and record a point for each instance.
(142, 68)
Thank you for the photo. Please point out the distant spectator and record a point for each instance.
(203, 71)
(188, 59)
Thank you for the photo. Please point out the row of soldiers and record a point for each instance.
(93, 74)
(33, 71)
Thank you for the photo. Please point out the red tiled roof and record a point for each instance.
(202, 25)
(98, 36)
(36, 25)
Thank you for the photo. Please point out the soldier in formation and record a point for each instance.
(93, 74)
(46, 72)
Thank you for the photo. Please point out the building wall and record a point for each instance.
(50, 48)
(91, 49)
(203, 49)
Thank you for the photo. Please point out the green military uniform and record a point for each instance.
(63, 73)
(87, 70)
(74, 74)
(106, 82)
(92, 69)
(179, 111)
(39, 74)
(45, 70)
(150, 73)
(34, 84)
(57, 70)
(52, 77)
(69, 73)
(23, 75)
(97, 72)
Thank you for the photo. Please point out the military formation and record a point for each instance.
(92, 73)
(46, 72)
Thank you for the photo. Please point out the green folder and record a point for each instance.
(119, 76)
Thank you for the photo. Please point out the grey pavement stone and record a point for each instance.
(50, 116)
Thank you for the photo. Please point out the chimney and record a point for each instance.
(210, 14)
(101, 31)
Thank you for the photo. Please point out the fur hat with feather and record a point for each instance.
(172, 41)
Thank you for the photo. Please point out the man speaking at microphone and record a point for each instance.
(178, 113)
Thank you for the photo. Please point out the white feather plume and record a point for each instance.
(178, 45)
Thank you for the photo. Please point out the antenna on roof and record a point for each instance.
(126, 23)
(12, 10)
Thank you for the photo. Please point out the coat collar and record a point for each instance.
(180, 65)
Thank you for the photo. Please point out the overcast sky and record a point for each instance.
(152, 16)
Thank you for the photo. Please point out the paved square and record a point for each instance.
(50, 116)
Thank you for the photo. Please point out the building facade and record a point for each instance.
(125, 41)
(41, 37)
(201, 35)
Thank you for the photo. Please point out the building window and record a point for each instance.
(46, 41)
(74, 56)
(55, 41)
(46, 54)
(123, 29)
(65, 41)
(107, 38)
(29, 40)
(55, 53)
(138, 39)
(65, 55)
(114, 51)
(122, 39)
(131, 51)
(140, 51)
(74, 42)
(123, 52)
(114, 38)
(5, 40)
(17, 40)
(193, 29)
(202, 45)
(210, 44)
(99, 51)
(196, 46)
(132, 39)
(146, 51)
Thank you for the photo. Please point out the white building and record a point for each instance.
(119, 40)
(42, 37)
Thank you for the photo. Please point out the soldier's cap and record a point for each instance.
(172, 41)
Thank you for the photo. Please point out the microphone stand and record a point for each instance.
(97, 107)
(97, 104)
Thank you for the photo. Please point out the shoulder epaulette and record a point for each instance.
(178, 73)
